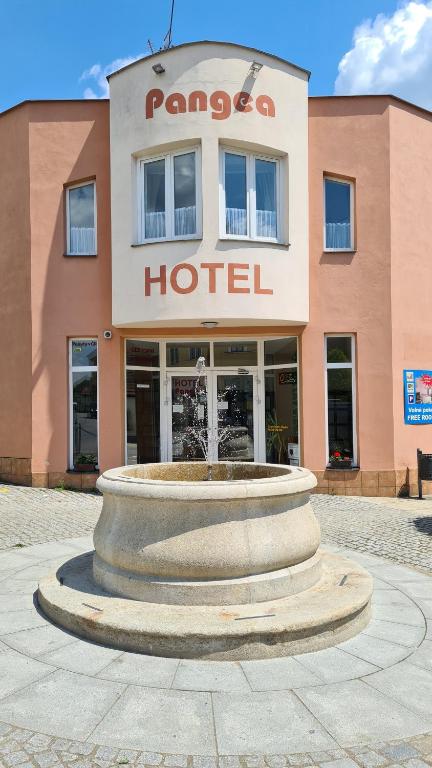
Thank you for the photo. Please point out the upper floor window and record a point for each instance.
(81, 219)
(250, 192)
(169, 197)
(338, 215)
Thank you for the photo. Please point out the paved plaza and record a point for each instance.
(367, 702)
(397, 529)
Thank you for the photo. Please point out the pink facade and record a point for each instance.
(378, 292)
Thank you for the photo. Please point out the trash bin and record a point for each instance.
(424, 469)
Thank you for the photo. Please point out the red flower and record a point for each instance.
(336, 455)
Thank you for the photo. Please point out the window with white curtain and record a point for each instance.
(83, 403)
(340, 400)
(81, 219)
(250, 192)
(338, 215)
(169, 197)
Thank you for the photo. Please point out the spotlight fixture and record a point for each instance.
(255, 68)
(209, 323)
(158, 69)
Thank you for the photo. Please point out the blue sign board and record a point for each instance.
(418, 397)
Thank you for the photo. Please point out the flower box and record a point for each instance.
(85, 462)
(339, 460)
(85, 468)
(340, 464)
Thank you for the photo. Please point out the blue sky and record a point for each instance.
(47, 45)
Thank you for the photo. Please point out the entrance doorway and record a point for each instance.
(243, 406)
(212, 417)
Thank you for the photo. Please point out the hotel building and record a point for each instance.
(213, 257)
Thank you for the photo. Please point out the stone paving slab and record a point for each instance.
(402, 634)
(278, 674)
(422, 656)
(273, 722)
(375, 650)
(61, 702)
(83, 658)
(354, 713)
(334, 665)
(408, 684)
(18, 671)
(149, 671)
(160, 720)
(222, 676)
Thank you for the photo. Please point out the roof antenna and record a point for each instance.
(149, 43)
(167, 42)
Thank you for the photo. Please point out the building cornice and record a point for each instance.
(168, 51)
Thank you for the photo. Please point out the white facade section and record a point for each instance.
(208, 98)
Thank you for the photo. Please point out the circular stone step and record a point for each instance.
(333, 610)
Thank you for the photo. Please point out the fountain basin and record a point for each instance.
(168, 534)
(221, 568)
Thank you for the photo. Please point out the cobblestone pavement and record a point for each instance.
(20, 748)
(36, 515)
(396, 529)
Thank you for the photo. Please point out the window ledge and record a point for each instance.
(342, 469)
(80, 255)
(254, 241)
(340, 250)
(82, 472)
(166, 240)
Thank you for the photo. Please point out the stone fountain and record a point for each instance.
(226, 568)
(204, 559)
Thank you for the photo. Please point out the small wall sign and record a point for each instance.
(287, 377)
(418, 396)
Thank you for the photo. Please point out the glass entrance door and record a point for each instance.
(234, 418)
(211, 417)
(189, 433)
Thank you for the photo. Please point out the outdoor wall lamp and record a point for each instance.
(158, 69)
(255, 68)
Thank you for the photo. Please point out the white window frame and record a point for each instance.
(162, 396)
(68, 238)
(168, 157)
(277, 367)
(250, 196)
(333, 366)
(81, 369)
(351, 185)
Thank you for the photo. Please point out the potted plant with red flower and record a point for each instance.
(85, 462)
(340, 459)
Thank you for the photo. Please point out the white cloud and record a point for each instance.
(391, 54)
(98, 74)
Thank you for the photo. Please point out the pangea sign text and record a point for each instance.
(220, 103)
